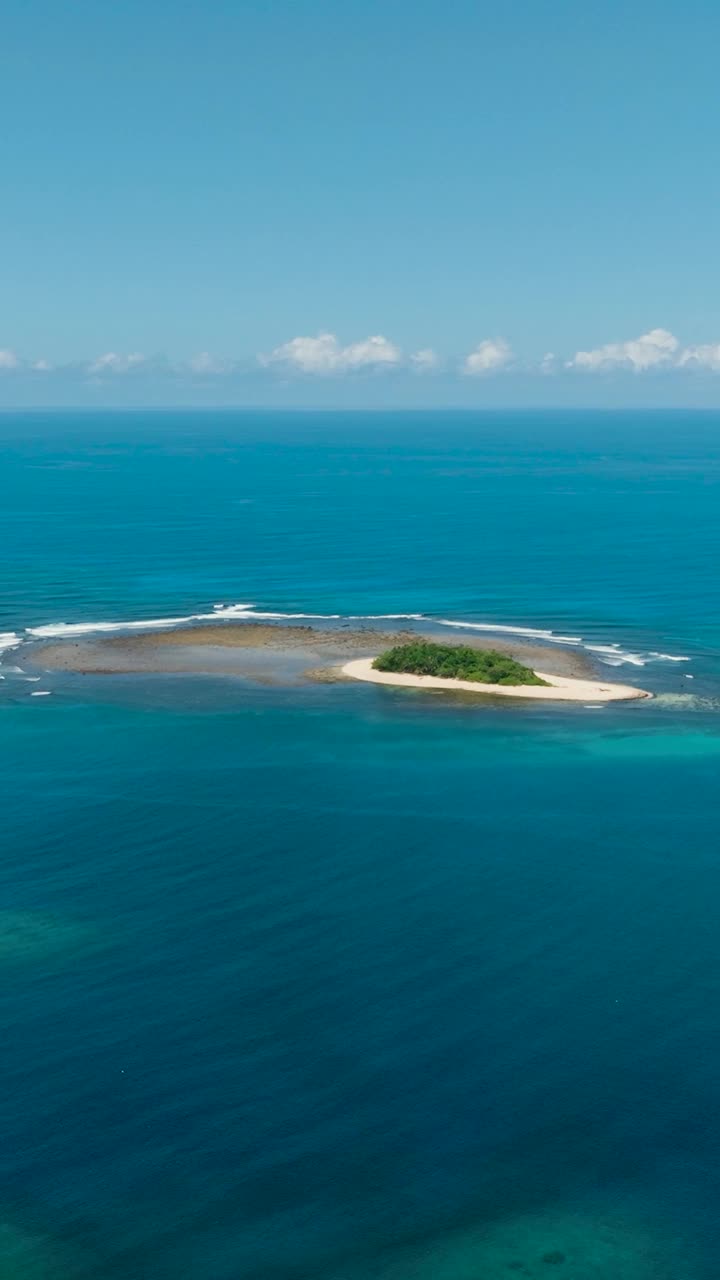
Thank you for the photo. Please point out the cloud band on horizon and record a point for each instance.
(656, 351)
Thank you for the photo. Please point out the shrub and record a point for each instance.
(455, 662)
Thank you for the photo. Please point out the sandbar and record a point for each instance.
(557, 687)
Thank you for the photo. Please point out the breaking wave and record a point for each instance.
(9, 640)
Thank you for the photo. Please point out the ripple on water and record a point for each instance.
(686, 702)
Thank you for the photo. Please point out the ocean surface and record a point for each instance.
(342, 982)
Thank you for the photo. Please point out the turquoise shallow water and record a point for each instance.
(336, 981)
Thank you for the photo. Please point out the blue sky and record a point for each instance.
(359, 203)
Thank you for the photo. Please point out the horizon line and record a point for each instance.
(360, 409)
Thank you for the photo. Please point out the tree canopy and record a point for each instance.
(455, 662)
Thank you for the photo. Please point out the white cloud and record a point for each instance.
(372, 351)
(706, 356)
(111, 362)
(204, 362)
(658, 351)
(325, 355)
(425, 361)
(650, 351)
(488, 357)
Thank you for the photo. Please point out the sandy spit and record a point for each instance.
(560, 687)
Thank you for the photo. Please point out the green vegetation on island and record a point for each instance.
(455, 662)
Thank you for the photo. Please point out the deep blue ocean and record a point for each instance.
(337, 982)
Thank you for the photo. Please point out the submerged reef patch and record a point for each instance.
(565, 1243)
(29, 936)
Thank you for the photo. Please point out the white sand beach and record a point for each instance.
(558, 687)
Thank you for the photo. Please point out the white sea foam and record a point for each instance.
(611, 655)
(245, 611)
(9, 640)
(535, 633)
(615, 656)
(669, 657)
(64, 629)
(220, 613)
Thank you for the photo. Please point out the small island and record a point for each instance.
(456, 662)
(278, 653)
(422, 664)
